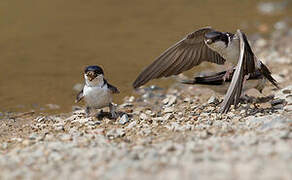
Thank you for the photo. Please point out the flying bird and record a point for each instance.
(241, 74)
(97, 92)
(207, 44)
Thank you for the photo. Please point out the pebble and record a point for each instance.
(277, 102)
(66, 137)
(115, 133)
(131, 125)
(143, 116)
(59, 127)
(4, 145)
(33, 136)
(124, 119)
(168, 110)
(27, 142)
(41, 119)
(213, 100)
(169, 100)
(131, 99)
(288, 108)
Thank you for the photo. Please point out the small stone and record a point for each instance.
(5, 145)
(131, 99)
(166, 117)
(59, 127)
(49, 137)
(149, 112)
(170, 100)
(26, 142)
(16, 139)
(168, 110)
(126, 105)
(277, 101)
(33, 136)
(40, 119)
(115, 133)
(82, 120)
(288, 108)
(94, 123)
(279, 106)
(143, 116)
(66, 137)
(131, 125)
(213, 100)
(124, 119)
(187, 99)
(146, 131)
(154, 88)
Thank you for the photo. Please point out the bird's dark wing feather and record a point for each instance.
(112, 88)
(249, 57)
(79, 96)
(267, 74)
(217, 78)
(235, 88)
(182, 56)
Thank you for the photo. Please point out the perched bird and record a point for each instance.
(216, 82)
(97, 92)
(209, 45)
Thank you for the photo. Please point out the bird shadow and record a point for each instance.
(108, 115)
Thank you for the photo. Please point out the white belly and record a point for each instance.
(97, 97)
(229, 53)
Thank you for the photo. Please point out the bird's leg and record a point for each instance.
(227, 74)
(87, 111)
(245, 78)
(113, 112)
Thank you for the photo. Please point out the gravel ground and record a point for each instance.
(162, 134)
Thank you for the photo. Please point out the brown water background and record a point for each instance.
(45, 44)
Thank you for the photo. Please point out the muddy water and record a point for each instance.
(44, 45)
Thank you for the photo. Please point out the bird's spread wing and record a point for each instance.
(182, 56)
(79, 96)
(234, 90)
(112, 88)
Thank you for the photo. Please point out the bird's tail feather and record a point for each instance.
(267, 74)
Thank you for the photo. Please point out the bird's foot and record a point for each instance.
(227, 74)
(87, 111)
(246, 99)
(245, 78)
(113, 112)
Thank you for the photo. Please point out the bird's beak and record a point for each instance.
(209, 41)
(91, 75)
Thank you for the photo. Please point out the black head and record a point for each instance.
(92, 72)
(96, 69)
(216, 36)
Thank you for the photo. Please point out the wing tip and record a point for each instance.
(136, 84)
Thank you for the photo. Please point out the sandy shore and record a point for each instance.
(162, 134)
